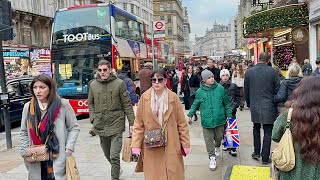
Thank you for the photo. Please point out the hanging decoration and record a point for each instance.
(280, 17)
(283, 56)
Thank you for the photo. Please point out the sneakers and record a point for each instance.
(217, 151)
(224, 148)
(233, 152)
(213, 163)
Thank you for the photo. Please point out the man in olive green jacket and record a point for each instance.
(109, 103)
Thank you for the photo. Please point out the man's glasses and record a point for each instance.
(159, 80)
(104, 70)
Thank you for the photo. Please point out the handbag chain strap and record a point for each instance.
(289, 118)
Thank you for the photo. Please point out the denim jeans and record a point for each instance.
(267, 129)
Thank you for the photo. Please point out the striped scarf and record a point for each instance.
(40, 129)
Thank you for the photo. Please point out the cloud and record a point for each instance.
(203, 14)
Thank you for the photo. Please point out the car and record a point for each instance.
(19, 93)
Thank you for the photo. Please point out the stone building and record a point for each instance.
(216, 41)
(186, 33)
(171, 11)
(142, 9)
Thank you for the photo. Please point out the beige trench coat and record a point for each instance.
(162, 163)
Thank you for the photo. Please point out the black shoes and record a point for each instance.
(266, 162)
(255, 156)
(195, 118)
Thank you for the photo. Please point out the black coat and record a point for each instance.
(233, 92)
(286, 88)
(261, 84)
(216, 73)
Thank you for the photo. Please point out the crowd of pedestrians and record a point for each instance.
(160, 132)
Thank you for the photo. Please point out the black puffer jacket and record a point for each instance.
(287, 86)
(234, 95)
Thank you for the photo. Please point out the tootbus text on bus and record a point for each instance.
(84, 35)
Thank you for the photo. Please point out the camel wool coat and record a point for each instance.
(162, 163)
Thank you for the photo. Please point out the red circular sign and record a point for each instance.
(159, 25)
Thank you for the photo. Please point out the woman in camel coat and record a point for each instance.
(161, 108)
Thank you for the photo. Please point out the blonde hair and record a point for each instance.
(294, 70)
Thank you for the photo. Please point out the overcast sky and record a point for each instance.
(203, 14)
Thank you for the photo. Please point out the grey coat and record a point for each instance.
(261, 84)
(66, 130)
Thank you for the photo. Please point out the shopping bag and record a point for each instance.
(71, 168)
(126, 152)
(231, 134)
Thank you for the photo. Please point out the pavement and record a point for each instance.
(93, 165)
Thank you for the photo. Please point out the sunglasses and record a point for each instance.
(155, 80)
(104, 70)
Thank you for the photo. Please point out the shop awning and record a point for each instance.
(265, 23)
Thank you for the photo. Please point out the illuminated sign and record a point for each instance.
(17, 53)
(80, 37)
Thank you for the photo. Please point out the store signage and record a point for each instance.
(8, 53)
(300, 35)
(37, 54)
(282, 39)
(80, 37)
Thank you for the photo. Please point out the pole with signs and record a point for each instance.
(154, 62)
(7, 124)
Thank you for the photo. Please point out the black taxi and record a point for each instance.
(19, 93)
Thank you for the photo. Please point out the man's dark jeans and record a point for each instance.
(267, 129)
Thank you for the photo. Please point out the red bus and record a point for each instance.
(84, 35)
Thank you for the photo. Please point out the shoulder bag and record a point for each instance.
(37, 153)
(283, 156)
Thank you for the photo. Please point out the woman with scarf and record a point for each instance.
(48, 119)
(160, 108)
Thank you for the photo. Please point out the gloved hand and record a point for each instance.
(136, 151)
(186, 150)
(68, 152)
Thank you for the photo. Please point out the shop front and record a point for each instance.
(281, 31)
(16, 61)
(40, 61)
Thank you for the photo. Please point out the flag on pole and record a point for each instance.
(231, 134)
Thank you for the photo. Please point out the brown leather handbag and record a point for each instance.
(154, 138)
(37, 153)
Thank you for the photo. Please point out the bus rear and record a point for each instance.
(81, 37)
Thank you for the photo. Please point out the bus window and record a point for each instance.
(128, 28)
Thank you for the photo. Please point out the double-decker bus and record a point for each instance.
(84, 35)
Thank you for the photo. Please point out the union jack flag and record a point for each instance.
(231, 134)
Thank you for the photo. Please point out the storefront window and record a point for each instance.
(318, 41)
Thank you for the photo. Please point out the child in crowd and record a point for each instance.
(215, 109)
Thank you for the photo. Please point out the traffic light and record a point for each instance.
(6, 25)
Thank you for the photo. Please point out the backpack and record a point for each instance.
(283, 156)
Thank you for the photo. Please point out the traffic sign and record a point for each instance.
(159, 25)
(159, 31)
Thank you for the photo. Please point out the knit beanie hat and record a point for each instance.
(206, 74)
(224, 72)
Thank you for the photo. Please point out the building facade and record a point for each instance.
(216, 42)
(314, 30)
(142, 9)
(171, 11)
(186, 33)
(32, 23)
